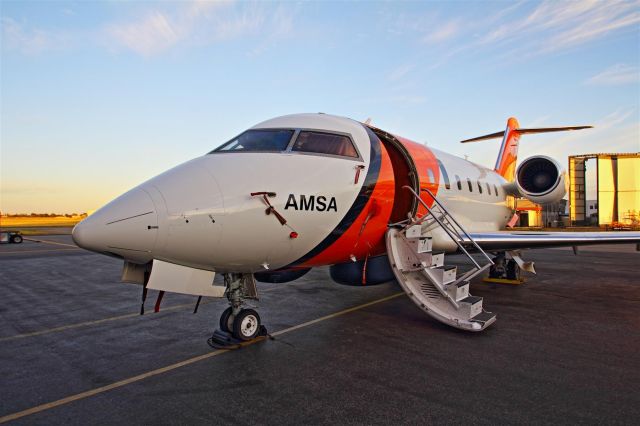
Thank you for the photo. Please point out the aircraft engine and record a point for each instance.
(275, 277)
(378, 271)
(540, 179)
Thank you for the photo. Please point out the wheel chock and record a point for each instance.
(225, 340)
(503, 281)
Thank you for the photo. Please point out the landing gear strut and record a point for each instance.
(504, 271)
(238, 324)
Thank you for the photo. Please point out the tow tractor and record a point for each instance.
(10, 237)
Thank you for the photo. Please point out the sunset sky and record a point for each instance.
(97, 97)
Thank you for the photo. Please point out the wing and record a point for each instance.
(511, 240)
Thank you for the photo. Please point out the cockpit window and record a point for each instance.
(325, 143)
(259, 140)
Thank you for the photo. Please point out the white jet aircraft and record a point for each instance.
(306, 190)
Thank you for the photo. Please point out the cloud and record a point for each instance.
(200, 23)
(616, 75)
(153, 34)
(554, 26)
(594, 139)
(399, 72)
(15, 36)
(445, 32)
(524, 30)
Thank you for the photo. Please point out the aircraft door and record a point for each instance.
(405, 174)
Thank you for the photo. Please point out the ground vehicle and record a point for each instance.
(10, 237)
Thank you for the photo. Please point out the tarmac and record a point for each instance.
(74, 349)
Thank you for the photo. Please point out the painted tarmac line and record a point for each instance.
(103, 320)
(38, 251)
(51, 242)
(95, 322)
(162, 370)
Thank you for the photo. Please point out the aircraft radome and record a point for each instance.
(306, 190)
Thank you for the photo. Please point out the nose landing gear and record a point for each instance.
(238, 325)
(243, 326)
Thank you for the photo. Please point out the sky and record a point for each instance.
(96, 97)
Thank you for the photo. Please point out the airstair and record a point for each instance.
(435, 287)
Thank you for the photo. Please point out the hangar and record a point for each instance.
(617, 188)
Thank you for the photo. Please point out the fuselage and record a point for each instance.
(336, 204)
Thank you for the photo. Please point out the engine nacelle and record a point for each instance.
(541, 180)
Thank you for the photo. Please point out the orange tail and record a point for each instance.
(506, 162)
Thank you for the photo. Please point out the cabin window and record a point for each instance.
(258, 140)
(444, 174)
(488, 189)
(458, 183)
(325, 143)
(479, 187)
(431, 176)
(469, 184)
(495, 188)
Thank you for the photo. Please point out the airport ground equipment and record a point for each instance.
(11, 237)
(423, 275)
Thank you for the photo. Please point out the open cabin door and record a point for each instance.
(404, 173)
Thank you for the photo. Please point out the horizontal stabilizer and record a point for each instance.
(497, 135)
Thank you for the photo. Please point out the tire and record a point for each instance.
(246, 325)
(16, 239)
(224, 320)
(513, 270)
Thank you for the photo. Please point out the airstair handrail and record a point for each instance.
(456, 222)
(452, 233)
(444, 227)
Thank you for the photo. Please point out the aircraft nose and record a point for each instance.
(126, 227)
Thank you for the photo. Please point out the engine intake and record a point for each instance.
(540, 179)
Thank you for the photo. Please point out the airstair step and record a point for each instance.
(470, 306)
(437, 259)
(414, 231)
(423, 275)
(471, 300)
(446, 274)
(459, 291)
(483, 317)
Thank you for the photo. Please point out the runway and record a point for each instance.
(74, 349)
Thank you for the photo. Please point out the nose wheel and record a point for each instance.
(237, 324)
(244, 326)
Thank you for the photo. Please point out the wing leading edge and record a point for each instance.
(511, 240)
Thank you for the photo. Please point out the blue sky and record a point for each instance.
(98, 96)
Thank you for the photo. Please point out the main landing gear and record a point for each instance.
(237, 324)
(504, 271)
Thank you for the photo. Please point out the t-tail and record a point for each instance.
(508, 155)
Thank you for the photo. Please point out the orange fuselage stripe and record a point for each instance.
(365, 237)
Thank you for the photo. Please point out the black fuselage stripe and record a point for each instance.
(369, 184)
